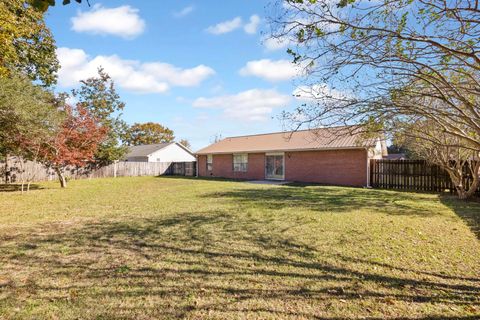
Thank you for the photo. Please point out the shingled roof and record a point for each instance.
(145, 149)
(347, 137)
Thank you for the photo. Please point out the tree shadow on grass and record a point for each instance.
(208, 264)
(328, 199)
(469, 211)
(18, 187)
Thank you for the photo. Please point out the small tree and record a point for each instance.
(148, 133)
(74, 143)
(427, 141)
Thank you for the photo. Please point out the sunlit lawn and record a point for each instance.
(146, 248)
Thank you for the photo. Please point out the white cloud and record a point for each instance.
(132, 75)
(250, 105)
(252, 26)
(122, 21)
(184, 12)
(273, 44)
(271, 70)
(320, 92)
(226, 26)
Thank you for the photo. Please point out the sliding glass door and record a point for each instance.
(274, 166)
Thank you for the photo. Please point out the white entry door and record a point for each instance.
(275, 166)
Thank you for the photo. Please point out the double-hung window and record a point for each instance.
(209, 162)
(240, 162)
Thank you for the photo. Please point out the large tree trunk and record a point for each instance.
(61, 177)
(464, 191)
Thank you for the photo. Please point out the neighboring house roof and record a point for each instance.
(347, 137)
(146, 149)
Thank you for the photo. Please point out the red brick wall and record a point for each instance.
(223, 167)
(337, 167)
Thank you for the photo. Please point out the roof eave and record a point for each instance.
(283, 150)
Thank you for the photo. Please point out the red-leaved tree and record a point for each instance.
(74, 142)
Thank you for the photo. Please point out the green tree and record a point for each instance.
(27, 113)
(26, 44)
(98, 96)
(43, 5)
(148, 133)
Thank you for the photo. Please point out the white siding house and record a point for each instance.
(162, 152)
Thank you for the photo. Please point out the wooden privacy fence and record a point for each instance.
(417, 175)
(19, 170)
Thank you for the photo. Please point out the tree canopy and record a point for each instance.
(148, 133)
(185, 143)
(383, 64)
(43, 5)
(99, 97)
(27, 112)
(26, 44)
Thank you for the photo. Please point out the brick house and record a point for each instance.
(336, 156)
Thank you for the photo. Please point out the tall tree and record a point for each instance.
(361, 56)
(27, 113)
(99, 97)
(26, 44)
(74, 143)
(378, 63)
(148, 133)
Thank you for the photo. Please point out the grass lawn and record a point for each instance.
(143, 248)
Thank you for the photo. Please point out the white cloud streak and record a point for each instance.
(271, 70)
(250, 105)
(225, 26)
(132, 75)
(252, 26)
(184, 12)
(123, 21)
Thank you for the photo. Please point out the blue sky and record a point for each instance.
(198, 67)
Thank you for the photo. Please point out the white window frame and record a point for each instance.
(241, 166)
(209, 162)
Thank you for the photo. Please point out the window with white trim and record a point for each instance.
(240, 162)
(209, 162)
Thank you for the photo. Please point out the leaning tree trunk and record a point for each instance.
(61, 177)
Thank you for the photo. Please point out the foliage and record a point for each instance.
(391, 61)
(27, 113)
(99, 97)
(427, 141)
(170, 248)
(74, 143)
(43, 5)
(185, 143)
(148, 133)
(26, 44)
